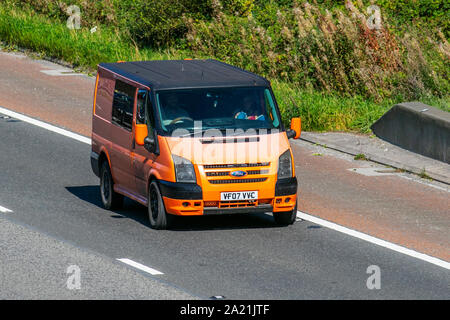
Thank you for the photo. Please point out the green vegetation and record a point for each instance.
(360, 156)
(340, 74)
(423, 174)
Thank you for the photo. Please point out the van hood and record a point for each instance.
(229, 150)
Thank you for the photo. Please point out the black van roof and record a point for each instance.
(179, 74)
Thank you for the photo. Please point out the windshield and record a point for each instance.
(217, 108)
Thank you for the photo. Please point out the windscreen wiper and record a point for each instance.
(194, 133)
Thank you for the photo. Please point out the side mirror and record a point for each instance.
(296, 128)
(290, 133)
(140, 133)
(150, 144)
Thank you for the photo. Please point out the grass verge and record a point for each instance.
(319, 111)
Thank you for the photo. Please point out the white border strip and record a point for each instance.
(5, 210)
(365, 237)
(140, 266)
(44, 125)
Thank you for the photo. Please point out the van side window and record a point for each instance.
(144, 111)
(122, 110)
(141, 107)
(270, 107)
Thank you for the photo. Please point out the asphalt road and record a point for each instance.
(46, 180)
(399, 208)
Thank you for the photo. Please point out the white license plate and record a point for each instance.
(241, 195)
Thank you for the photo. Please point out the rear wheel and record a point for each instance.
(110, 199)
(157, 215)
(285, 218)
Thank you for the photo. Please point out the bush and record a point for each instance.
(92, 12)
(425, 13)
(156, 23)
(333, 51)
(319, 110)
(238, 7)
(149, 22)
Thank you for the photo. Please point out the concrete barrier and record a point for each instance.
(416, 127)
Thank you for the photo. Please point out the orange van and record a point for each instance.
(191, 137)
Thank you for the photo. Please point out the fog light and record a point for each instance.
(185, 204)
(287, 200)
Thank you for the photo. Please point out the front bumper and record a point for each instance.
(180, 190)
(285, 187)
(186, 199)
(262, 208)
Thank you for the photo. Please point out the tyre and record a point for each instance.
(110, 199)
(285, 218)
(157, 215)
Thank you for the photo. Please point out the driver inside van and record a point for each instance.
(249, 110)
(173, 109)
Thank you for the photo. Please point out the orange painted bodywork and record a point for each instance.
(296, 125)
(95, 94)
(232, 153)
(280, 204)
(176, 207)
(181, 207)
(264, 150)
(141, 132)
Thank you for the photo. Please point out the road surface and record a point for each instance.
(51, 218)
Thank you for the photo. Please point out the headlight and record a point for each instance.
(184, 169)
(285, 165)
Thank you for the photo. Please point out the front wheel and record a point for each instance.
(157, 215)
(285, 218)
(110, 198)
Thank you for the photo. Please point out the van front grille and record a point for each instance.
(236, 165)
(227, 173)
(217, 174)
(227, 181)
(237, 204)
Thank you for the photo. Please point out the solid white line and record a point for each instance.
(377, 241)
(418, 180)
(61, 72)
(5, 210)
(140, 266)
(44, 125)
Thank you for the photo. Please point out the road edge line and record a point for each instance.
(45, 125)
(374, 240)
(5, 210)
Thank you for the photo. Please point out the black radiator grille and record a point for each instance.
(236, 165)
(227, 181)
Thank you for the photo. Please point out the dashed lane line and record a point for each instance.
(141, 267)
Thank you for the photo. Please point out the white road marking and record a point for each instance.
(45, 126)
(140, 266)
(60, 72)
(5, 210)
(373, 172)
(422, 181)
(377, 241)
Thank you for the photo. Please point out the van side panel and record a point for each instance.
(105, 92)
(101, 118)
(162, 168)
